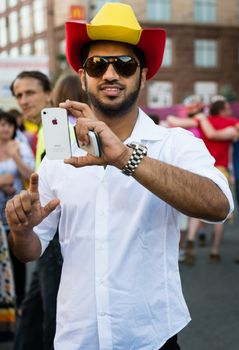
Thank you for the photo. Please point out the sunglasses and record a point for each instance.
(96, 66)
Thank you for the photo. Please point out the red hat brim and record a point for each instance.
(151, 42)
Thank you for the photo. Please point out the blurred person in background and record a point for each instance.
(16, 165)
(193, 106)
(37, 322)
(204, 130)
(7, 290)
(68, 87)
(218, 131)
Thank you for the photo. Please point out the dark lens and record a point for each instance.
(95, 66)
(125, 65)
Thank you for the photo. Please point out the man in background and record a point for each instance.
(37, 321)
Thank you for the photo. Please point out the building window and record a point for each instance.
(14, 52)
(158, 10)
(3, 54)
(13, 26)
(160, 94)
(12, 3)
(167, 58)
(3, 32)
(40, 47)
(39, 10)
(205, 10)
(3, 5)
(100, 3)
(25, 22)
(206, 89)
(26, 49)
(205, 53)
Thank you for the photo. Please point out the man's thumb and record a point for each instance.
(50, 206)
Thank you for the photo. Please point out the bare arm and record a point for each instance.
(23, 212)
(229, 133)
(191, 194)
(14, 153)
(185, 123)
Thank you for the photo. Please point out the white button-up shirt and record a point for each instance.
(120, 287)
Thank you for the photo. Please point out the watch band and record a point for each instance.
(139, 151)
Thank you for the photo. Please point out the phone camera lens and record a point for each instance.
(44, 112)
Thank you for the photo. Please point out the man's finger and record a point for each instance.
(78, 109)
(11, 215)
(19, 211)
(50, 206)
(26, 201)
(33, 185)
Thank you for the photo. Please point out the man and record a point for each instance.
(37, 322)
(32, 90)
(117, 214)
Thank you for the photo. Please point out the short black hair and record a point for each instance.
(35, 74)
(138, 53)
(10, 119)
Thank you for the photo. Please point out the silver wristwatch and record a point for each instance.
(139, 152)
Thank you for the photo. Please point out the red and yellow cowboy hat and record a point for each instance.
(116, 22)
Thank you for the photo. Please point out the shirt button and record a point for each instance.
(102, 313)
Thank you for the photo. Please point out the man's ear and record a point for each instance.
(81, 74)
(143, 77)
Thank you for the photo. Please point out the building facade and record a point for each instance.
(202, 48)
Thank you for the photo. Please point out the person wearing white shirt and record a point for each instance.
(118, 214)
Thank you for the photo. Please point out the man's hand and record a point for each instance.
(78, 109)
(114, 152)
(24, 211)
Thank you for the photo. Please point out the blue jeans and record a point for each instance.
(36, 326)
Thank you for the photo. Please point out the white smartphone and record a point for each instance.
(93, 147)
(56, 133)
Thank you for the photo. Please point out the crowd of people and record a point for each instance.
(219, 130)
(21, 151)
(104, 230)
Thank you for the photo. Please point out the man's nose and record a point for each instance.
(23, 99)
(110, 73)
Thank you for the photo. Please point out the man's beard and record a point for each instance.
(119, 108)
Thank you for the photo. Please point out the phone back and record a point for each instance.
(56, 133)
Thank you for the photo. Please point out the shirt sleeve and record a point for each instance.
(191, 154)
(47, 228)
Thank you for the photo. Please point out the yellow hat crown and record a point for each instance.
(115, 21)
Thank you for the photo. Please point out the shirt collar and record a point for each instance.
(145, 129)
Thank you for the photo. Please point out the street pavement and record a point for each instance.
(212, 295)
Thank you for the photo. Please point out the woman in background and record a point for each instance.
(16, 165)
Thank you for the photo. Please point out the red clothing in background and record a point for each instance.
(219, 149)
